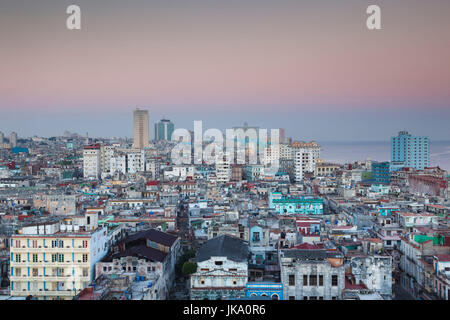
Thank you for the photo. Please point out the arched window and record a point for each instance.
(275, 297)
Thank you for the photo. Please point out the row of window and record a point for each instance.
(54, 272)
(312, 298)
(34, 244)
(314, 280)
(56, 257)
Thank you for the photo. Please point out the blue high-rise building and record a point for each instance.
(412, 151)
(164, 130)
(381, 173)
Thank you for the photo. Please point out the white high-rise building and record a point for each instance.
(92, 161)
(107, 152)
(285, 152)
(13, 139)
(305, 157)
(135, 161)
(140, 126)
(223, 168)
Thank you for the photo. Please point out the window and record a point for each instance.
(313, 280)
(17, 243)
(18, 258)
(54, 257)
(291, 298)
(61, 258)
(35, 272)
(218, 263)
(305, 298)
(312, 298)
(85, 243)
(292, 280)
(34, 243)
(35, 257)
(321, 280)
(305, 280)
(85, 272)
(334, 280)
(85, 257)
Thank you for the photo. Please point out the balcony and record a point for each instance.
(44, 292)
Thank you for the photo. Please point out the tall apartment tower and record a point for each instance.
(410, 151)
(223, 168)
(92, 161)
(164, 130)
(140, 125)
(305, 156)
(13, 139)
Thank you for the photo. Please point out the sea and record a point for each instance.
(351, 151)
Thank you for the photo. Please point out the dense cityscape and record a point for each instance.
(85, 218)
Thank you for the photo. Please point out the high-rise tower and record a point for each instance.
(140, 125)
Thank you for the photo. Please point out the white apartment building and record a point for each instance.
(305, 157)
(127, 161)
(106, 154)
(223, 169)
(286, 152)
(271, 155)
(180, 172)
(92, 161)
(135, 161)
(153, 165)
(56, 260)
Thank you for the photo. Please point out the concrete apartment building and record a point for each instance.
(92, 161)
(147, 255)
(223, 168)
(312, 274)
(305, 156)
(222, 269)
(55, 261)
(58, 204)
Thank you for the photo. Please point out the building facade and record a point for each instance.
(164, 130)
(140, 127)
(412, 151)
(55, 261)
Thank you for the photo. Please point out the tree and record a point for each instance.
(184, 258)
(189, 267)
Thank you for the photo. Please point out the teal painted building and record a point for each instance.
(295, 205)
(273, 291)
(164, 130)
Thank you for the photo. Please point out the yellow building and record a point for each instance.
(55, 260)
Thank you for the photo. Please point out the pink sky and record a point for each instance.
(282, 52)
